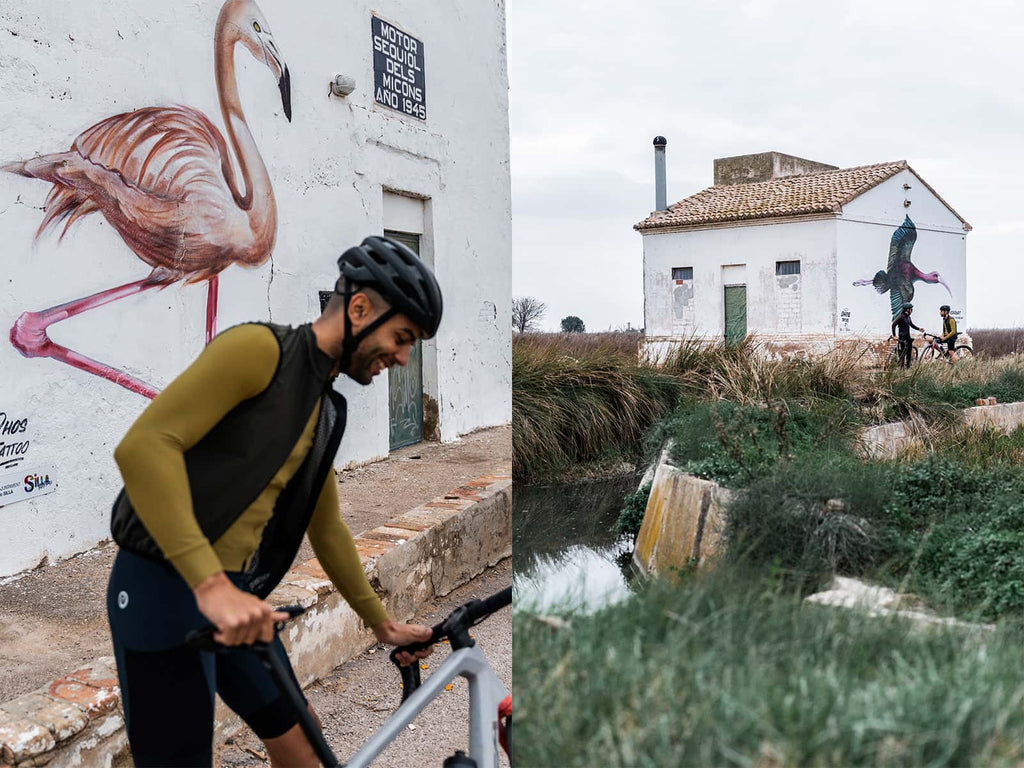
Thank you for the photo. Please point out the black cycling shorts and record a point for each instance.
(167, 688)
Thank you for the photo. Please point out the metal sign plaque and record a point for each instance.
(399, 80)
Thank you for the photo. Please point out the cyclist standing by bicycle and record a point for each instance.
(949, 331)
(224, 473)
(905, 344)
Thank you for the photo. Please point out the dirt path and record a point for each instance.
(54, 619)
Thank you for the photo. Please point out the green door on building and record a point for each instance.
(405, 385)
(735, 313)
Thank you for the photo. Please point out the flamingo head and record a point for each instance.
(254, 33)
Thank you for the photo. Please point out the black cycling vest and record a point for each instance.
(236, 460)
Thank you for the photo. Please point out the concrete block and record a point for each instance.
(61, 718)
(683, 522)
(22, 739)
(290, 594)
(103, 745)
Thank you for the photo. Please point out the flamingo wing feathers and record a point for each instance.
(160, 153)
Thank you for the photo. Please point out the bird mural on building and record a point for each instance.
(900, 274)
(164, 178)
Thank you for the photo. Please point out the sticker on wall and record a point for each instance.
(164, 179)
(844, 320)
(27, 484)
(900, 274)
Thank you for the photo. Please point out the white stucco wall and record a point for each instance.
(66, 65)
(759, 247)
(865, 232)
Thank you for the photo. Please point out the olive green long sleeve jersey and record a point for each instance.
(237, 365)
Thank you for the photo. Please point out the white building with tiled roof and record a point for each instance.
(801, 253)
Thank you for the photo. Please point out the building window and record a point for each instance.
(787, 267)
(682, 273)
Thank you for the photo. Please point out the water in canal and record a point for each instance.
(564, 552)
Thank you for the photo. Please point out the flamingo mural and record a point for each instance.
(163, 178)
(900, 274)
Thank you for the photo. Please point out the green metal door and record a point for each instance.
(735, 313)
(405, 385)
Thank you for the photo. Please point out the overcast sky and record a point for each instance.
(846, 83)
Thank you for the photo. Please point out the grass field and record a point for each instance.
(733, 670)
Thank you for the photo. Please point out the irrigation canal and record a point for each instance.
(564, 551)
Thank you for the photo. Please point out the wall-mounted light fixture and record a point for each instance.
(343, 85)
(906, 203)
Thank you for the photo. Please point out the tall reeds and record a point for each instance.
(575, 402)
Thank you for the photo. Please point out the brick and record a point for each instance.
(94, 701)
(370, 548)
(61, 718)
(21, 739)
(409, 524)
(102, 673)
(393, 535)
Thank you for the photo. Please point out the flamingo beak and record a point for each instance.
(285, 85)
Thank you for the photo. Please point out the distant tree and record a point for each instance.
(526, 313)
(573, 324)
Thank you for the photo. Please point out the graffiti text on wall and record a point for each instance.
(14, 442)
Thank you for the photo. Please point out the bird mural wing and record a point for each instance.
(158, 152)
(901, 287)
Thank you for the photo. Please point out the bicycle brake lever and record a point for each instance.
(410, 673)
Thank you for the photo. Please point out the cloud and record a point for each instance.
(845, 83)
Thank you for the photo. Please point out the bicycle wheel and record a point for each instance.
(961, 351)
(928, 353)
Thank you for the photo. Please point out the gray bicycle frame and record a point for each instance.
(485, 694)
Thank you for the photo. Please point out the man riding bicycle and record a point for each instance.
(949, 331)
(224, 473)
(903, 324)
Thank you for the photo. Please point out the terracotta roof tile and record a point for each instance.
(822, 192)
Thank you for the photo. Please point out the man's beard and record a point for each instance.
(361, 367)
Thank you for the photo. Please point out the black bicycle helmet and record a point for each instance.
(908, 305)
(944, 308)
(397, 274)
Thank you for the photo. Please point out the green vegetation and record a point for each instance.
(631, 517)
(730, 667)
(733, 670)
(579, 398)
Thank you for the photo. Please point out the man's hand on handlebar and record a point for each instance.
(240, 618)
(393, 633)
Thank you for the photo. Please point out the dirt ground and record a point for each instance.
(54, 619)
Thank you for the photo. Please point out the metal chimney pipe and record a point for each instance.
(660, 197)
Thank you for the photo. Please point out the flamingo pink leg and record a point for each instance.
(211, 309)
(29, 334)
